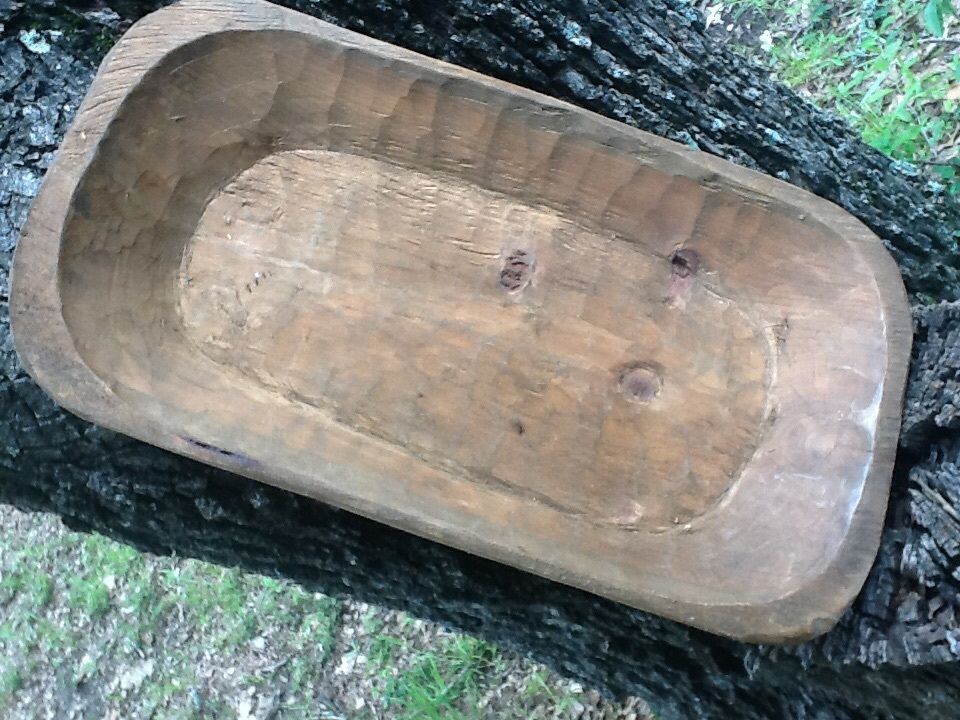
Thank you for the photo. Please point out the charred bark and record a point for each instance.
(649, 64)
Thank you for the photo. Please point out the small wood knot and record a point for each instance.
(685, 262)
(515, 273)
(639, 383)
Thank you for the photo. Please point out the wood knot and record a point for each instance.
(685, 262)
(516, 270)
(639, 383)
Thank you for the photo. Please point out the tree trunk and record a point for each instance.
(649, 64)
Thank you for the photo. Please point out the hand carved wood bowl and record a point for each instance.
(473, 312)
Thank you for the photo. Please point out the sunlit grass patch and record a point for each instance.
(889, 67)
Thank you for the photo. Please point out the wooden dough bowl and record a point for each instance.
(472, 312)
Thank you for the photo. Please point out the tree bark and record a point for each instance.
(649, 64)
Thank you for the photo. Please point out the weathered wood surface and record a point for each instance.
(906, 614)
(474, 313)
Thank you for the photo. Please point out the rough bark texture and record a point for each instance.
(647, 63)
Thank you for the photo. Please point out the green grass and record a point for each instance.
(83, 610)
(10, 681)
(540, 688)
(881, 64)
(449, 678)
(85, 619)
(445, 681)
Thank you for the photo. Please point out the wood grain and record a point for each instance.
(472, 312)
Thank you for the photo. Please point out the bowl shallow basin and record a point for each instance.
(472, 312)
